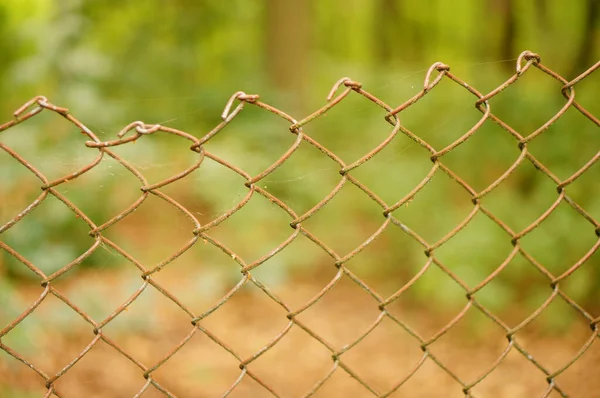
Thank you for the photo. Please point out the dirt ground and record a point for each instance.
(153, 325)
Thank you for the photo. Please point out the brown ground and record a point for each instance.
(152, 326)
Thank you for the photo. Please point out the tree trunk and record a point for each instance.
(288, 50)
(585, 54)
(507, 49)
(386, 18)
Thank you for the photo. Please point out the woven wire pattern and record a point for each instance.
(202, 233)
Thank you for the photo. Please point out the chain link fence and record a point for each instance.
(202, 234)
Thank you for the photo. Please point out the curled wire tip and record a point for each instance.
(127, 128)
(528, 56)
(346, 81)
(438, 66)
(40, 99)
(239, 95)
(140, 127)
(335, 87)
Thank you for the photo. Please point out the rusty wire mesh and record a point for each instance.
(438, 71)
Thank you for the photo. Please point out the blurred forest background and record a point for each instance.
(177, 63)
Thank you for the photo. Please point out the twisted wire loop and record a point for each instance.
(436, 73)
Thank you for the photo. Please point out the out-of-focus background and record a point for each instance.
(177, 63)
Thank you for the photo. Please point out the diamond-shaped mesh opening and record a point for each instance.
(210, 191)
(388, 261)
(492, 149)
(253, 141)
(304, 179)
(262, 318)
(200, 276)
(559, 316)
(119, 376)
(149, 327)
(385, 356)
(345, 235)
(48, 224)
(350, 129)
(200, 367)
(443, 115)
(301, 263)
(579, 190)
(94, 290)
(395, 171)
(540, 104)
(581, 287)
(431, 219)
(469, 359)
(255, 230)
(521, 198)
(579, 142)
(476, 251)
(133, 231)
(526, 380)
(511, 305)
(53, 145)
(339, 299)
(312, 363)
(109, 180)
(586, 93)
(52, 351)
(568, 234)
(449, 301)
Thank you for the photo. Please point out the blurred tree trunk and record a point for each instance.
(386, 18)
(394, 36)
(288, 50)
(507, 47)
(585, 54)
(541, 14)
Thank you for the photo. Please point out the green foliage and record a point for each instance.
(178, 62)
